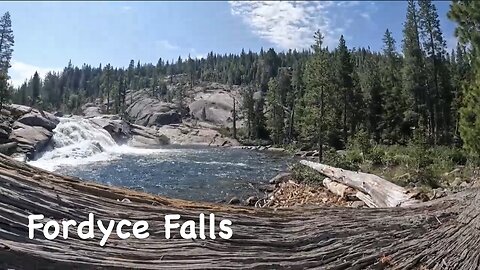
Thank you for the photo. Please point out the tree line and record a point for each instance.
(322, 97)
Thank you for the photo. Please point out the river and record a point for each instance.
(197, 173)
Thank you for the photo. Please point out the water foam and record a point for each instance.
(78, 141)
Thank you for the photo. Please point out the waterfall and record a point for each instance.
(78, 141)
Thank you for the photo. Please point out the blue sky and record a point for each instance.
(49, 34)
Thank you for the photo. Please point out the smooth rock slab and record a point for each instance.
(30, 139)
(33, 118)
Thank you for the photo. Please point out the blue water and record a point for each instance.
(192, 173)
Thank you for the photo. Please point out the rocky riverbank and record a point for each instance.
(148, 122)
(26, 132)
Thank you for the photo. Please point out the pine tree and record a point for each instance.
(35, 89)
(234, 118)
(467, 15)
(107, 84)
(154, 84)
(258, 126)
(180, 96)
(461, 69)
(22, 99)
(6, 50)
(191, 71)
(413, 72)
(275, 121)
(248, 109)
(344, 81)
(435, 46)
(374, 92)
(131, 74)
(294, 99)
(393, 97)
(317, 92)
(122, 94)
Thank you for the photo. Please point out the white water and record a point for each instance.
(77, 141)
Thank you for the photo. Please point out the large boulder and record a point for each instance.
(200, 134)
(39, 119)
(5, 129)
(148, 142)
(147, 111)
(30, 139)
(4, 132)
(166, 118)
(213, 103)
(214, 107)
(118, 129)
(27, 128)
(133, 135)
(18, 110)
(144, 137)
(91, 110)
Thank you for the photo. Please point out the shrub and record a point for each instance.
(377, 156)
(458, 156)
(305, 174)
(343, 159)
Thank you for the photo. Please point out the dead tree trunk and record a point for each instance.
(382, 192)
(443, 234)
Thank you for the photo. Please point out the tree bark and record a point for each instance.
(442, 234)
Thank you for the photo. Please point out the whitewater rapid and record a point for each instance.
(78, 141)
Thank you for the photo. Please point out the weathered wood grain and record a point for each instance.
(443, 234)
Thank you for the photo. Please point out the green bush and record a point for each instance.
(427, 177)
(361, 142)
(305, 174)
(458, 156)
(354, 156)
(377, 156)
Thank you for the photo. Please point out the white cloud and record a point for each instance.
(348, 3)
(20, 71)
(291, 24)
(166, 45)
(365, 15)
(126, 8)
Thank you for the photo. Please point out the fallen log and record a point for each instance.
(336, 188)
(345, 191)
(441, 234)
(382, 192)
(366, 199)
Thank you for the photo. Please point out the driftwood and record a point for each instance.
(382, 192)
(442, 234)
(345, 191)
(337, 188)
